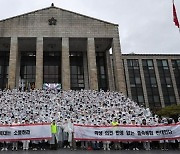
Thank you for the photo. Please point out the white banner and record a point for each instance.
(25, 132)
(127, 133)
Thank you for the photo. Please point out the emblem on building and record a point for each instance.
(52, 21)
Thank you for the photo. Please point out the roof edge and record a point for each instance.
(60, 9)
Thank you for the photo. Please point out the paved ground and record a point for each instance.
(62, 151)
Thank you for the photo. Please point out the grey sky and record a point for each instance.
(146, 26)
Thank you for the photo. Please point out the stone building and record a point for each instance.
(53, 45)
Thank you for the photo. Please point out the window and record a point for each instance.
(178, 63)
(149, 62)
(135, 81)
(4, 65)
(133, 63)
(164, 63)
(166, 82)
(51, 67)
(151, 83)
(77, 70)
(172, 99)
(138, 80)
(101, 70)
(176, 69)
(140, 99)
(153, 80)
(51, 74)
(28, 67)
(156, 99)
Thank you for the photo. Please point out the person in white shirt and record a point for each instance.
(71, 133)
(106, 144)
(66, 133)
(15, 143)
(5, 143)
(146, 144)
(26, 142)
(164, 143)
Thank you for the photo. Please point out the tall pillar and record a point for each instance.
(39, 63)
(13, 63)
(65, 64)
(118, 66)
(92, 68)
(109, 72)
(158, 83)
(174, 82)
(143, 83)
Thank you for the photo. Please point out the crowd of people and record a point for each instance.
(65, 108)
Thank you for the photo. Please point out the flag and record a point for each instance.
(175, 18)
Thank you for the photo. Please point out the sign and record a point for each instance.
(25, 132)
(127, 133)
(49, 86)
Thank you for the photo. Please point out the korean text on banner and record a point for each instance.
(25, 132)
(127, 133)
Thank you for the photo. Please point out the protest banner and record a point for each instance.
(127, 133)
(25, 132)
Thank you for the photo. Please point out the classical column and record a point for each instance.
(127, 79)
(13, 63)
(109, 72)
(158, 83)
(173, 81)
(39, 63)
(143, 83)
(65, 64)
(92, 68)
(118, 66)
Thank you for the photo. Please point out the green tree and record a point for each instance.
(172, 111)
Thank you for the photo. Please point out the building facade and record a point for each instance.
(53, 45)
(152, 79)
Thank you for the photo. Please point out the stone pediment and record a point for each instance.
(60, 9)
(56, 20)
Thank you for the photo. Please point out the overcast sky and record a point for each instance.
(146, 26)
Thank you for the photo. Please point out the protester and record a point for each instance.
(70, 126)
(84, 107)
(106, 144)
(15, 143)
(26, 142)
(117, 145)
(164, 143)
(146, 144)
(54, 132)
(5, 144)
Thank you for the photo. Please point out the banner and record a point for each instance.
(25, 132)
(50, 86)
(127, 133)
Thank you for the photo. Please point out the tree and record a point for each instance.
(172, 111)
